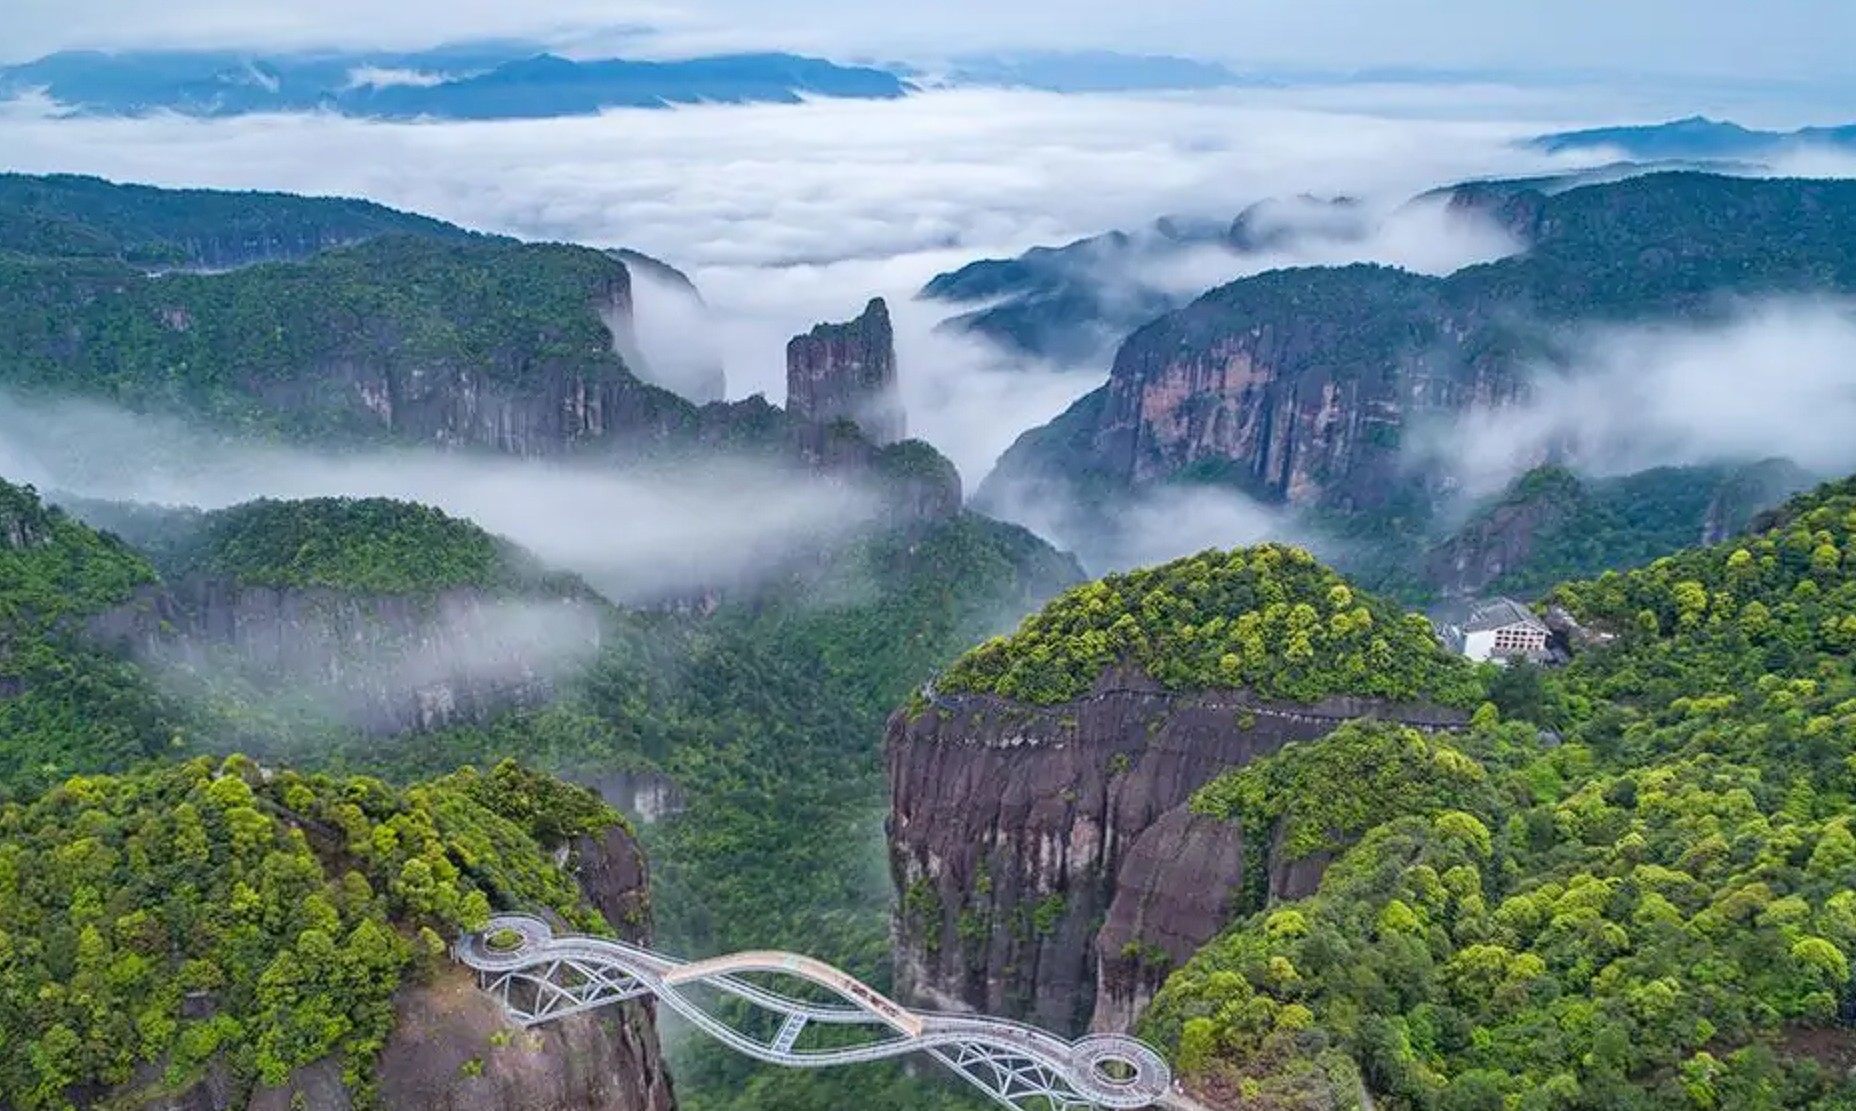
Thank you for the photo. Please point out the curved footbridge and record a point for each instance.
(539, 976)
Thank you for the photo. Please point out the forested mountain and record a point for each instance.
(1550, 526)
(1238, 800)
(65, 215)
(1696, 137)
(1623, 884)
(1649, 907)
(1071, 303)
(218, 932)
(1315, 388)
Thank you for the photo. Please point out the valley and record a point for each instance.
(365, 577)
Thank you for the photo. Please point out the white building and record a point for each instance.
(1500, 630)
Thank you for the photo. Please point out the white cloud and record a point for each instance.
(634, 535)
(375, 77)
(1774, 380)
(789, 215)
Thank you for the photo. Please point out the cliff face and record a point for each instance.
(1273, 385)
(1503, 539)
(604, 1061)
(845, 418)
(452, 1049)
(1045, 863)
(383, 664)
(845, 372)
(1304, 386)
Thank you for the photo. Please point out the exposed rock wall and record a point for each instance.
(845, 372)
(608, 1060)
(1016, 832)
(453, 1050)
(383, 664)
(518, 398)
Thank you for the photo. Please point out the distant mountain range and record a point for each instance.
(495, 81)
(514, 80)
(1697, 138)
(1067, 303)
(1090, 71)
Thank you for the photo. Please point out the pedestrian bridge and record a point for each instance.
(539, 976)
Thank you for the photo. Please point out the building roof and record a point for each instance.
(1500, 614)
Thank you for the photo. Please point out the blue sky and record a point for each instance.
(1766, 40)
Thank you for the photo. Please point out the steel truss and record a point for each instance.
(540, 977)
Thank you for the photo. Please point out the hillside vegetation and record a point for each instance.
(63, 706)
(1654, 910)
(202, 915)
(1268, 618)
(75, 216)
(366, 545)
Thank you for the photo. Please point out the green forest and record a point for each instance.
(1269, 618)
(1632, 890)
(219, 913)
(764, 712)
(1628, 883)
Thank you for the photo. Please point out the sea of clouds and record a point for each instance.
(787, 215)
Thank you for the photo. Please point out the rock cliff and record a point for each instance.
(382, 664)
(1550, 525)
(1306, 387)
(845, 418)
(604, 1061)
(452, 1049)
(845, 372)
(1046, 865)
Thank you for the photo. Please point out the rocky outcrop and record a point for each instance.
(845, 419)
(1309, 387)
(1017, 832)
(845, 372)
(1270, 385)
(1502, 539)
(1181, 882)
(452, 1049)
(382, 664)
(645, 795)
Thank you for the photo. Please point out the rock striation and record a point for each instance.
(845, 372)
(380, 664)
(1311, 387)
(1046, 863)
(452, 1049)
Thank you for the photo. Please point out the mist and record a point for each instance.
(378, 666)
(788, 215)
(673, 341)
(634, 535)
(1776, 378)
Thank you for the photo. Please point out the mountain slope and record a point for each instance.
(1695, 137)
(1551, 526)
(64, 706)
(500, 344)
(1070, 303)
(1043, 858)
(218, 930)
(1303, 386)
(69, 215)
(1650, 908)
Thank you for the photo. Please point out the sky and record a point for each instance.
(1772, 40)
